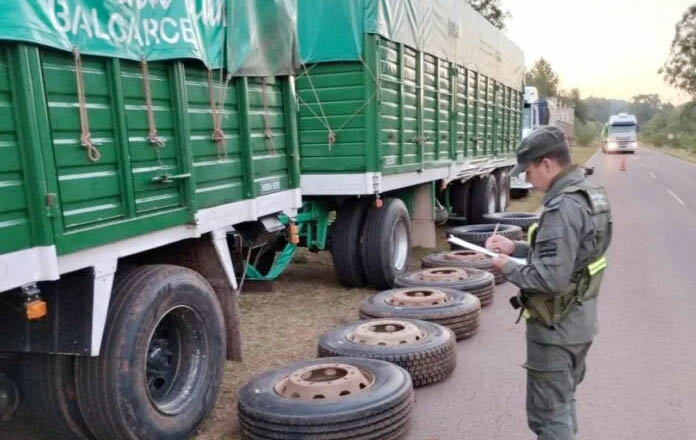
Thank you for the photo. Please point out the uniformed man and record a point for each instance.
(560, 282)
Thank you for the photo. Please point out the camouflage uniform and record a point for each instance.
(564, 244)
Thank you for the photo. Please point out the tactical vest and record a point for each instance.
(550, 308)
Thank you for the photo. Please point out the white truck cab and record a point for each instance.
(620, 133)
(531, 119)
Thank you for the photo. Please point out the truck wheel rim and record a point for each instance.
(387, 333)
(176, 358)
(491, 202)
(465, 256)
(400, 245)
(417, 297)
(324, 382)
(441, 274)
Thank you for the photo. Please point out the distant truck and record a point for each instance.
(620, 133)
(539, 112)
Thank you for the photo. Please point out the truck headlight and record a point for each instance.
(634, 144)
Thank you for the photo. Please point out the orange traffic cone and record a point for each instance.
(622, 167)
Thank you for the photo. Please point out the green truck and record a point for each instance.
(134, 138)
(405, 107)
(145, 146)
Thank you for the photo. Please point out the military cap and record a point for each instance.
(539, 143)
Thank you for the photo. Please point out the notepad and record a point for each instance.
(465, 244)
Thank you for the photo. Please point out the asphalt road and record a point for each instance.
(641, 377)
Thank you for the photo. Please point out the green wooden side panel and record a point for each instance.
(426, 112)
(50, 190)
(217, 169)
(148, 160)
(15, 228)
(90, 192)
(332, 98)
(269, 137)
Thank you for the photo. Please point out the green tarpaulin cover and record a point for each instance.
(248, 37)
(333, 30)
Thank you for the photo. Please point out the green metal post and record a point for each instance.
(121, 135)
(183, 131)
(419, 111)
(373, 148)
(402, 153)
(245, 137)
(32, 133)
(293, 148)
(454, 90)
(437, 109)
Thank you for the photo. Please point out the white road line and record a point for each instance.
(652, 175)
(675, 196)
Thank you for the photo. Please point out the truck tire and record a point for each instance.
(463, 258)
(48, 387)
(454, 309)
(477, 282)
(379, 408)
(161, 361)
(386, 244)
(484, 194)
(426, 351)
(460, 195)
(346, 236)
(478, 234)
(503, 196)
(522, 219)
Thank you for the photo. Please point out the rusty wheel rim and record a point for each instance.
(387, 333)
(324, 382)
(417, 297)
(465, 256)
(441, 274)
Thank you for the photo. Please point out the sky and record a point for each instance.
(608, 49)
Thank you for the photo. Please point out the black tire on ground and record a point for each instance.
(428, 360)
(478, 234)
(463, 258)
(460, 195)
(460, 313)
(346, 236)
(386, 244)
(477, 282)
(380, 411)
(522, 219)
(502, 178)
(47, 384)
(162, 357)
(483, 197)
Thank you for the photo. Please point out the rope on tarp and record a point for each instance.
(93, 154)
(216, 109)
(155, 140)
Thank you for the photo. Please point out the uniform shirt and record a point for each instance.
(564, 243)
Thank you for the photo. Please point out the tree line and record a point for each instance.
(660, 123)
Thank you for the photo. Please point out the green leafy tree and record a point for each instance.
(543, 78)
(491, 10)
(680, 69)
(645, 106)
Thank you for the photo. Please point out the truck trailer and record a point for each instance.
(397, 119)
